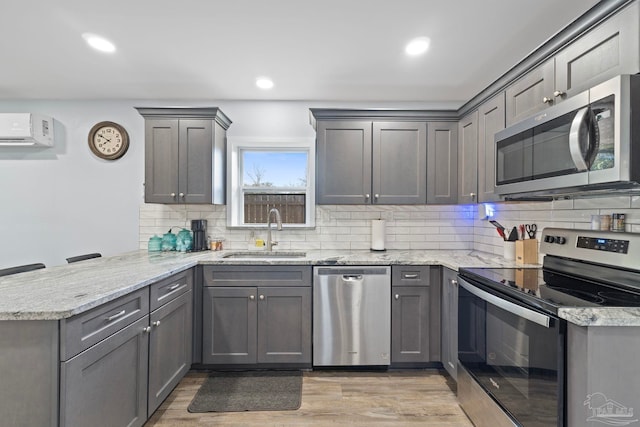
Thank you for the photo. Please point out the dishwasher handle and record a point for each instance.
(352, 277)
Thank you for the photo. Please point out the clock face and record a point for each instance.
(108, 140)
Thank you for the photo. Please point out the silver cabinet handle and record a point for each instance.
(174, 287)
(574, 140)
(397, 296)
(547, 100)
(454, 282)
(558, 93)
(115, 316)
(252, 297)
(410, 276)
(366, 196)
(146, 329)
(376, 196)
(181, 194)
(156, 323)
(173, 194)
(262, 297)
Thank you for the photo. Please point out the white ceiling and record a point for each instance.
(329, 50)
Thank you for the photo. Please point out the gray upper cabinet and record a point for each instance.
(609, 49)
(343, 169)
(491, 119)
(371, 162)
(442, 162)
(185, 155)
(468, 158)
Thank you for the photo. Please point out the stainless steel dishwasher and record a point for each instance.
(351, 316)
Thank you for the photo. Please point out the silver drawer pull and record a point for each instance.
(174, 287)
(410, 276)
(397, 296)
(156, 323)
(146, 329)
(115, 316)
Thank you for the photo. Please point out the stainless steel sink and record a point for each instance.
(265, 254)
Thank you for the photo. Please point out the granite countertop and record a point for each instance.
(63, 291)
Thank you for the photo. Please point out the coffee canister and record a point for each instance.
(617, 222)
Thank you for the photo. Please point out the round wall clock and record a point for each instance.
(108, 140)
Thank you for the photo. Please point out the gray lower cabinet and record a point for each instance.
(450, 321)
(468, 158)
(491, 119)
(107, 384)
(169, 347)
(609, 49)
(256, 315)
(371, 162)
(442, 162)
(120, 360)
(185, 155)
(415, 315)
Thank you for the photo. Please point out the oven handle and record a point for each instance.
(520, 311)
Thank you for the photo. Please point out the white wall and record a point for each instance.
(63, 201)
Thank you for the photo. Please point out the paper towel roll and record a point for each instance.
(377, 234)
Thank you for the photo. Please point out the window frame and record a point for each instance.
(235, 192)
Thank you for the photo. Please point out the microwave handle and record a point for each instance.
(512, 308)
(574, 140)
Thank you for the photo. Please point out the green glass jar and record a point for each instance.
(155, 243)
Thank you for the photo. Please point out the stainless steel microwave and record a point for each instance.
(590, 141)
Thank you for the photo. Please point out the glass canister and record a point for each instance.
(169, 241)
(617, 222)
(184, 241)
(155, 243)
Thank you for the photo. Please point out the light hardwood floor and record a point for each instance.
(330, 398)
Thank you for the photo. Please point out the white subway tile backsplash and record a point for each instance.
(408, 227)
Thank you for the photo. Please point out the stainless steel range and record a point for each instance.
(514, 342)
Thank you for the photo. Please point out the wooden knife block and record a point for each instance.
(527, 251)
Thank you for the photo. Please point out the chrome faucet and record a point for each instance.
(276, 212)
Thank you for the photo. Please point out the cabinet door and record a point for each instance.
(450, 322)
(107, 384)
(169, 348)
(608, 50)
(284, 325)
(442, 162)
(491, 120)
(530, 94)
(399, 163)
(161, 161)
(229, 330)
(410, 324)
(343, 174)
(196, 142)
(468, 158)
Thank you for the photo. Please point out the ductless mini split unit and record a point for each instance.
(26, 129)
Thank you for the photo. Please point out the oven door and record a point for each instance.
(515, 354)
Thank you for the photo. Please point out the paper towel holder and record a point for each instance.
(377, 235)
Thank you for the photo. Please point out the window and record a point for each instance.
(266, 174)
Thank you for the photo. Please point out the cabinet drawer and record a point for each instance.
(86, 329)
(167, 289)
(410, 275)
(257, 275)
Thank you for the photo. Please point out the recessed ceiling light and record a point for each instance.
(264, 82)
(417, 46)
(99, 43)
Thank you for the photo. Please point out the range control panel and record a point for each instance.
(617, 249)
(601, 244)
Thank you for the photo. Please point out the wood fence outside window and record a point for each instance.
(258, 205)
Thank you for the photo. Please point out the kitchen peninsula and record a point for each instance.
(38, 306)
